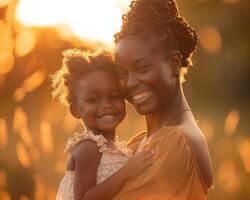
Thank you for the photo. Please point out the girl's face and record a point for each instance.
(146, 76)
(100, 103)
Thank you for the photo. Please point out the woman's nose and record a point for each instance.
(132, 81)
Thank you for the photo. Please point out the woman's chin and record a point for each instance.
(145, 109)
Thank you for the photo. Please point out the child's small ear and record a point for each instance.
(75, 111)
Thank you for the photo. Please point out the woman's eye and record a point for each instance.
(93, 100)
(143, 68)
(116, 97)
(121, 73)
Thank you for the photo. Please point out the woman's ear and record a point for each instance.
(176, 59)
(75, 111)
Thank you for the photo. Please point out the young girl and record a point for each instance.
(99, 165)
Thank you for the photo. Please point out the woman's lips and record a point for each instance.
(141, 97)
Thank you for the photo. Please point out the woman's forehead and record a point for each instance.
(134, 48)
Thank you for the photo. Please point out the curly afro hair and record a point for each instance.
(160, 17)
(76, 63)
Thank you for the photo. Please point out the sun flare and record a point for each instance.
(94, 21)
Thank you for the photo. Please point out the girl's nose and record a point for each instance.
(106, 103)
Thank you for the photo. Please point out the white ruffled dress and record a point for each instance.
(111, 161)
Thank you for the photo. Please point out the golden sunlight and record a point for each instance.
(210, 39)
(23, 155)
(46, 137)
(3, 134)
(231, 122)
(94, 21)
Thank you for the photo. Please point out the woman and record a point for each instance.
(153, 51)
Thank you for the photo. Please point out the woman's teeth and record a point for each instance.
(141, 96)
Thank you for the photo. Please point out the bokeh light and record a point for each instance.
(6, 48)
(244, 150)
(228, 177)
(93, 20)
(20, 125)
(4, 3)
(3, 134)
(30, 84)
(210, 39)
(46, 137)
(23, 155)
(25, 43)
(231, 122)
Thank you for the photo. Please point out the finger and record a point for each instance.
(149, 156)
(146, 159)
(143, 154)
(146, 151)
(147, 164)
(149, 153)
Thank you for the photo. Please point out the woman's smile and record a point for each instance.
(142, 97)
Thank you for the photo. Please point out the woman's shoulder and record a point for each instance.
(197, 144)
(187, 140)
(189, 135)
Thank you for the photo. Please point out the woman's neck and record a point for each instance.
(171, 114)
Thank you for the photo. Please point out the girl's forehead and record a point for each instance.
(97, 79)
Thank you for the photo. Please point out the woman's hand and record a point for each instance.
(138, 163)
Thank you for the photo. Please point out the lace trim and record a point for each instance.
(122, 147)
(79, 137)
(101, 142)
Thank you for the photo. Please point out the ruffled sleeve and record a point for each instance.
(86, 135)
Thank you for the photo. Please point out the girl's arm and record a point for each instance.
(87, 158)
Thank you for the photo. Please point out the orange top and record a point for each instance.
(175, 174)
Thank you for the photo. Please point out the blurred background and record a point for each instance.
(34, 128)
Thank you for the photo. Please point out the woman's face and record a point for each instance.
(146, 74)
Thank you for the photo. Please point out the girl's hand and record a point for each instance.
(138, 163)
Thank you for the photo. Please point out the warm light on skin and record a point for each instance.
(95, 21)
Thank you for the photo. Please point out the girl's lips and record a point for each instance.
(108, 117)
(105, 113)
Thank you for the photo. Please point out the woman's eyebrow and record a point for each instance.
(92, 92)
(136, 61)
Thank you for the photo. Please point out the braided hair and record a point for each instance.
(160, 17)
